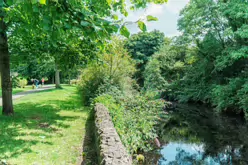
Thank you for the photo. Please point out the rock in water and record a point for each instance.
(157, 142)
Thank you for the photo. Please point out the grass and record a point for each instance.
(47, 128)
(18, 90)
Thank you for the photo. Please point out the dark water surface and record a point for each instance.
(195, 135)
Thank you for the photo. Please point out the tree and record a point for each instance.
(141, 47)
(216, 71)
(5, 66)
(91, 17)
(166, 66)
(111, 71)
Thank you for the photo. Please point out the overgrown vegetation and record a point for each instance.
(108, 81)
(141, 47)
(112, 71)
(135, 119)
(62, 35)
(208, 63)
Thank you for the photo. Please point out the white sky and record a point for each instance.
(167, 15)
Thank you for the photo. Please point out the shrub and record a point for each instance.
(135, 118)
(15, 81)
(231, 96)
(22, 82)
(114, 69)
(108, 81)
(74, 82)
(243, 98)
(164, 67)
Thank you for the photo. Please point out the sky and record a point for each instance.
(167, 15)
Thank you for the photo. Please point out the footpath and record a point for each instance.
(22, 94)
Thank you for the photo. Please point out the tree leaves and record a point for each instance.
(109, 2)
(115, 17)
(151, 18)
(84, 23)
(43, 2)
(33, 1)
(142, 26)
(141, 47)
(124, 31)
(9, 2)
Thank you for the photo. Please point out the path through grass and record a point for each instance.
(47, 129)
(18, 90)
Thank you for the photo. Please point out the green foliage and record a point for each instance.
(135, 118)
(153, 77)
(141, 47)
(15, 81)
(74, 82)
(231, 95)
(22, 82)
(140, 158)
(18, 81)
(33, 67)
(55, 28)
(165, 66)
(114, 68)
(142, 26)
(208, 62)
(124, 31)
(151, 18)
(108, 81)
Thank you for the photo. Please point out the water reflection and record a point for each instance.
(197, 136)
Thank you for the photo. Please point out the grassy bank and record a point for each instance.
(47, 128)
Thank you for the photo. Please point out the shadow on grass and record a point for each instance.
(32, 122)
(89, 154)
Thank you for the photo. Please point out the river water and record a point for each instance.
(195, 135)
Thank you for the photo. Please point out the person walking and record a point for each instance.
(43, 81)
(36, 82)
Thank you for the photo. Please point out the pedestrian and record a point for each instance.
(42, 80)
(36, 82)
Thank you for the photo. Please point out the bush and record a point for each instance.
(164, 67)
(108, 81)
(231, 96)
(19, 82)
(15, 81)
(74, 82)
(135, 118)
(22, 82)
(114, 69)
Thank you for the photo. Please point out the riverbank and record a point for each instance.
(196, 134)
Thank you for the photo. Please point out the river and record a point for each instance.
(195, 135)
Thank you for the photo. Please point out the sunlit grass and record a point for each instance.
(47, 128)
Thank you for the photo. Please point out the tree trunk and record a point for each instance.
(69, 77)
(6, 83)
(57, 78)
(53, 80)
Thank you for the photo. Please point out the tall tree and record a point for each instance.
(142, 46)
(5, 65)
(216, 71)
(91, 17)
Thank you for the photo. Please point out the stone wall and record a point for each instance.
(111, 151)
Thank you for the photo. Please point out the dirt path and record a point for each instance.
(21, 94)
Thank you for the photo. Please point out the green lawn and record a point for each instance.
(18, 90)
(47, 129)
